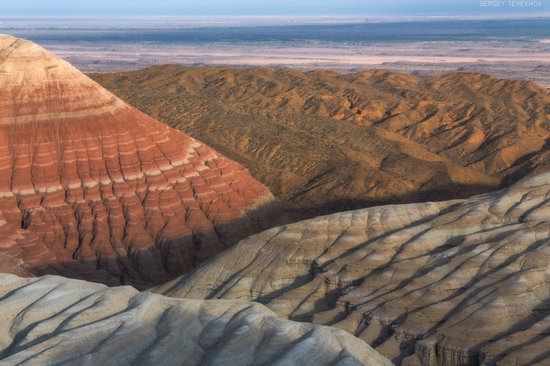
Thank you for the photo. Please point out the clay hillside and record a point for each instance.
(58, 321)
(91, 187)
(326, 142)
(462, 282)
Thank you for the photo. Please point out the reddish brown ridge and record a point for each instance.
(91, 187)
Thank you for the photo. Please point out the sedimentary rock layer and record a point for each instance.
(54, 320)
(460, 282)
(93, 179)
(326, 142)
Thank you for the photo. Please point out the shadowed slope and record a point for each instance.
(53, 320)
(447, 283)
(95, 180)
(325, 142)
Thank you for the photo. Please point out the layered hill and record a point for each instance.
(90, 183)
(462, 282)
(326, 142)
(54, 320)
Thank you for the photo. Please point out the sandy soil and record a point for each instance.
(515, 60)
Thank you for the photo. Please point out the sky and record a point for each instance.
(271, 8)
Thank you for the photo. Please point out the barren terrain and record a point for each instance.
(92, 188)
(324, 141)
(462, 282)
(53, 320)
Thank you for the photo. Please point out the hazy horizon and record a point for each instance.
(423, 37)
(358, 8)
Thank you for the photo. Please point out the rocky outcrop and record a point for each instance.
(53, 320)
(328, 142)
(463, 282)
(96, 181)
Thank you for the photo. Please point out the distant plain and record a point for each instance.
(509, 48)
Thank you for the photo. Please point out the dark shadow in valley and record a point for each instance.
(452, 192)
(165, 260)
